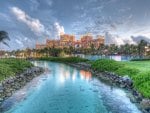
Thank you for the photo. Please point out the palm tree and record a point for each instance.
(4, 36)
(141, 48)
(101, 49)
(71, 49)
(92, 48)
(133, 50)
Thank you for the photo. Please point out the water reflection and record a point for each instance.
(114, 57)
(85, 75)
(70, 74)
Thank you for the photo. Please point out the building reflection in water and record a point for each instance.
(85, 75)
(65, 73)
(72, 74)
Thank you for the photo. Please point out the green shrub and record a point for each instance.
(139, 59)
(106, 65)
(64, 59)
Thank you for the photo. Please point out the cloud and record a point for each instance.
(38, 30)
(58, 29)
(22, 41)
(113, 39)
(19, 42)
(137, 39)
(116, 39)
(34, 24)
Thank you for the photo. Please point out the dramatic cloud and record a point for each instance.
(58, 29)
(137, 39)
(113, 39)
(34, 24)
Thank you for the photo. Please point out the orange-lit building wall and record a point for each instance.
(40, 46)
(67, 41)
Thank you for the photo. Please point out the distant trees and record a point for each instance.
(92, 48)
(141, 48)
(131, 50)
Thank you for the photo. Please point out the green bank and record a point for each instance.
(138, 71)
(10, 67)
(65, 59)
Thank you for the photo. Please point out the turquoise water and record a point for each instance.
(64, 89)
(114, 57)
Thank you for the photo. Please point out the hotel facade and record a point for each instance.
(66, 41)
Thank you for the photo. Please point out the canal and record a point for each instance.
(65, 89)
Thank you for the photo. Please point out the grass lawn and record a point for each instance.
(142, 78)
(139, 72)
(9, 67)
(141, 65)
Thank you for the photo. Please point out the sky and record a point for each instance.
(33, 21)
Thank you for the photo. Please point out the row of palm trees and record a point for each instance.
(127, 49)
(130, 50)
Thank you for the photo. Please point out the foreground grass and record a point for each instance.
(64, 59)
(9, 67)
(142, 76)
(138, 71)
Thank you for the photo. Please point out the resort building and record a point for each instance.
(87, 41)
(98, 41)
(40, 46)
(77, 44)
(66, 41)
(52, 43)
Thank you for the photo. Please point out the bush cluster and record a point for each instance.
(106, 65)
(65, 59)
(127, 71)
(138, 59)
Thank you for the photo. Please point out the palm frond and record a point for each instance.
(4, 36)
